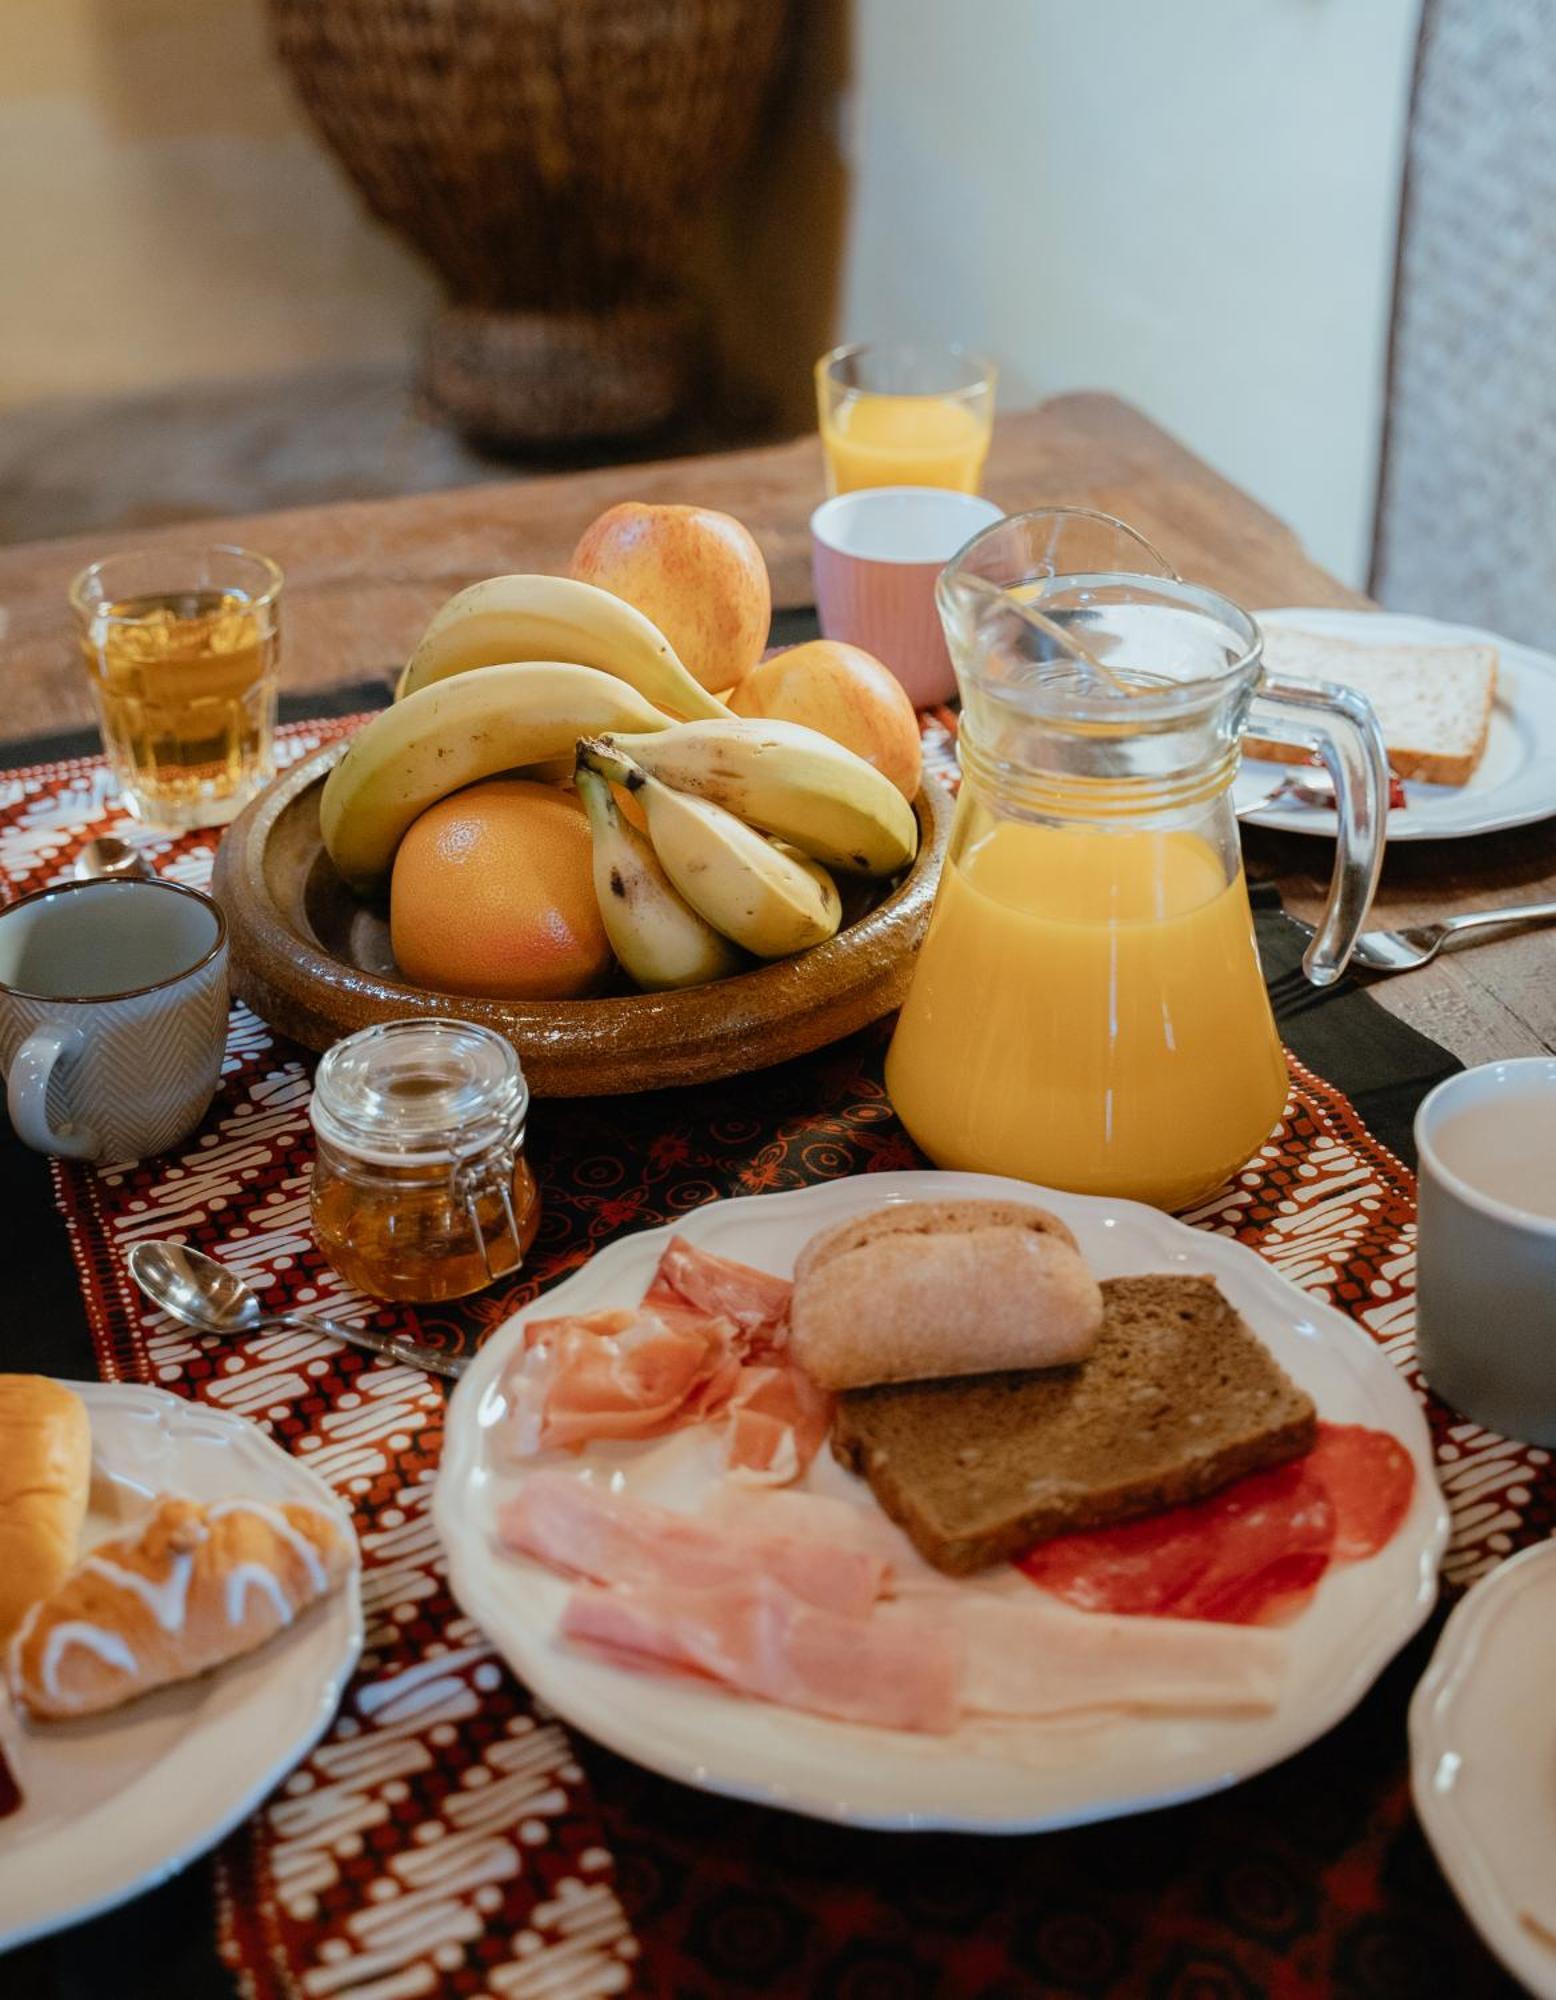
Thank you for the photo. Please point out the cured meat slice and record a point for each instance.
(756, 1301)
(1035, 1657)
(1251, 1553)
(1370, 1479)
(777, 1421)
(620, 1374)
(760, 1639)
(815, 1517)
(582, 1529)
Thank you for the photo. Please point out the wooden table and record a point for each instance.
(363, 578)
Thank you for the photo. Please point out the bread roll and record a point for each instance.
(198, 1585)
(921, 1290)
(45, 1475)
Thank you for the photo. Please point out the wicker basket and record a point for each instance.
(553, 159)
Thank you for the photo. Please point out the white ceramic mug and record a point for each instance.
(1486, 1255)
(875, 555)
(113, 1015)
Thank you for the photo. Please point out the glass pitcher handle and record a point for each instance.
(1339, 725)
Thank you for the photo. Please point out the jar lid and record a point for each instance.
(419, 1090)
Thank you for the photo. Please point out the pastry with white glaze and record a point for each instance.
(197, 1585)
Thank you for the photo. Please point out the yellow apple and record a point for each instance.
(696, 573)
(842, 692)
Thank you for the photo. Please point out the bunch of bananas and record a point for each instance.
(746, 820)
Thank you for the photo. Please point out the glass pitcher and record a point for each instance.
(1088, 1010)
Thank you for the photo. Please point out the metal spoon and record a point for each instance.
(202, 1293)
(1419, 944)
(104, 858)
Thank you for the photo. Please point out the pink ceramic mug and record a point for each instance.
(875, 554)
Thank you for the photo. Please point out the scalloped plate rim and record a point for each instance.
(535, 1659)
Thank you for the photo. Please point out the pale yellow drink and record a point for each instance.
(184, 682)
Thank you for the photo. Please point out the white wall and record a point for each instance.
(1190, 202)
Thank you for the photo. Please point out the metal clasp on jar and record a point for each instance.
(489, 1172)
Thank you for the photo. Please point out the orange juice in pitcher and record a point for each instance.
(1088, 1010)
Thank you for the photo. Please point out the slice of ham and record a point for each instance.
(1253, 1553)
(817, 1517)
(1034, 1657)
(756, 1301)
(760, 1639)
(582, 1529)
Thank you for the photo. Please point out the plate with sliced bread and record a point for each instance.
(180, 1616)
(1468, 720)
(935, 1500)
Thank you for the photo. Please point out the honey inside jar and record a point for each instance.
(420, 1186)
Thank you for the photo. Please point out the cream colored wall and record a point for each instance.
(166, 215)
(1191, 203)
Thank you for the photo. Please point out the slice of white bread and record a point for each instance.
(1433, 703)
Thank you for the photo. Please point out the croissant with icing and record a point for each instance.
(198, 1584)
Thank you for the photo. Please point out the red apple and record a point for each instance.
(696, 573)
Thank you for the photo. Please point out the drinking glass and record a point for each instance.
(182, 646)
(904, 416)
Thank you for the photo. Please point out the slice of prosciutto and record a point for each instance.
(756, 1301)
(707, 1343)
(778, 1419)
(758, 1638)
(628, 1373)
(583, 1530)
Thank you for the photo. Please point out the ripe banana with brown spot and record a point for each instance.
(790, 781)
(455, 733)
(508, 619)
(657, 936)
(765, 896)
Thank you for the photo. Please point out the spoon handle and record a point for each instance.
(389, 1345)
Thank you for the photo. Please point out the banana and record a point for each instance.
(658, 937)
(790, 781)
(454, 733)
(767, 898)
(513, 618)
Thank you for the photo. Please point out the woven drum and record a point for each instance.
(553, 158)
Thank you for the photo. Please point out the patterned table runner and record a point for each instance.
(447, 1836)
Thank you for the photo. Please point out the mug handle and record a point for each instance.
(27, 1093)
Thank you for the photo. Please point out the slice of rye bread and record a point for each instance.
(1177, 1398)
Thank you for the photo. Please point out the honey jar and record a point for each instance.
(420, 1186)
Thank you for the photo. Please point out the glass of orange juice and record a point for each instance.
(904, 416)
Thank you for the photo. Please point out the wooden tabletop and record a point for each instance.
(363, 578)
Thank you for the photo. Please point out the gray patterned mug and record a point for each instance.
(113, 1015)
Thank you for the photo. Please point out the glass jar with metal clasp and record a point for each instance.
(420, 1186)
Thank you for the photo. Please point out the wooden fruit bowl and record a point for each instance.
(313, 960)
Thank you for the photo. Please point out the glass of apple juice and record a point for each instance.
(182, 646)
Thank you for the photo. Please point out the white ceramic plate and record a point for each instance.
(1515, 783)
(114, 1805)
(1040, 1776)
(1483, 1759)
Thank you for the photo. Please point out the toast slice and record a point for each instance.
(1177, 1399)
(1433, 703)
